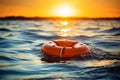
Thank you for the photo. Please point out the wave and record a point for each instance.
(112, 30)
(6, 58)
(103, 43)
(34, 36)
(92, 29)
(4, 29)
(117, 34)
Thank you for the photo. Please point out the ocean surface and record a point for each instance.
(22, 59)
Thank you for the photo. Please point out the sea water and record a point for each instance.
(22, 59)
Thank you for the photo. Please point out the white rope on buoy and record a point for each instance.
(61, 52)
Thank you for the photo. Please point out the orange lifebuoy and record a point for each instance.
(64, 48)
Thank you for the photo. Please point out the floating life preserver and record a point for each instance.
(64, 48)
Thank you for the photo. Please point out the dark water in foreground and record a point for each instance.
(21, 58)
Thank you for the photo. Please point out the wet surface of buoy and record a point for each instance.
(64, 48)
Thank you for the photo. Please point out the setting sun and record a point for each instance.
(64, 10)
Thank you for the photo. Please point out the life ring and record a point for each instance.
(64, 48)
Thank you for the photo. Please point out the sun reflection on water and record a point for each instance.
(66, 28)
(64, 22)
(58, 79)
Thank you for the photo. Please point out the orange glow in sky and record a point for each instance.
(62, 8)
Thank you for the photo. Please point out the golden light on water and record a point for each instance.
(58, 79)
(66, 29)
(65, 32)
(64, 22)
(100, 62)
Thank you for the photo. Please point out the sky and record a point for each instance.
(51, 8)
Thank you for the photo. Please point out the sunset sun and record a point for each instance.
(64, 10)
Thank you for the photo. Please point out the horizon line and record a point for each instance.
(52, 17)
(56, 16)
